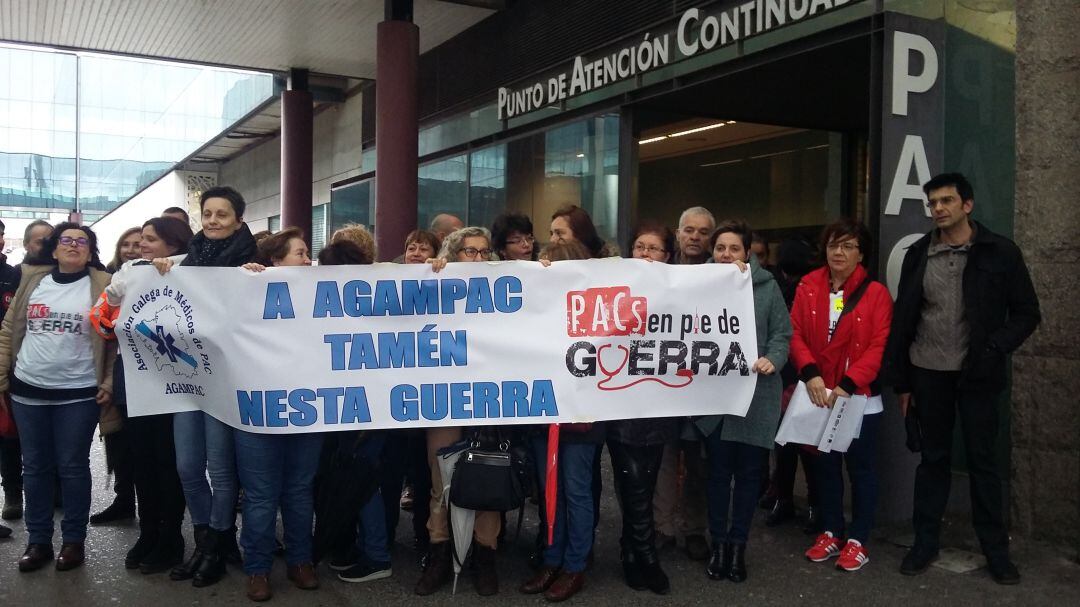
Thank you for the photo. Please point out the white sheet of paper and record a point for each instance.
(803, 423)
(843, 425)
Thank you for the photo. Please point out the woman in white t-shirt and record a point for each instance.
(59, 374)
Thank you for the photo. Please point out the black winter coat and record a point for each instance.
(1000, 305)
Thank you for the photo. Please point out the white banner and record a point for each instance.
(398, 346)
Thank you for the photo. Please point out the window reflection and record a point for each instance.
(442, 190)
(137, 119)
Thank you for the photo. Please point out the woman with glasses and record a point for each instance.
(512, 237)
(467, 244)
(636, 447)
(841, 319)
(59, 374)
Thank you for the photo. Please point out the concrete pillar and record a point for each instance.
(1045, 427)
(396, 133)
(297, 117)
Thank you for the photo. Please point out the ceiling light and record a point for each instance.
(730, 122)
(716, 164)
(581, 155)
(759, 156)
(652, 140)
(707, 127)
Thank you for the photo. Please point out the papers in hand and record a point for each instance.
(828, 429)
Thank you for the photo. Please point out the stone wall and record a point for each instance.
(1046, 371)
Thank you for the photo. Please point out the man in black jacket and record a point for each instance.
(965, 301)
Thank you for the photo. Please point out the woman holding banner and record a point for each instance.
(160, 545)
(841, 320)
(636, 447)
(562, 574)
(59, 374)
(278, 470)
(467, 244)
(738, 446)
(205, 445)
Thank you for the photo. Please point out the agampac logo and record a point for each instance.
(161, 332)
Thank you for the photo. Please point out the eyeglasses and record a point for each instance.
(473, 252)
(846, 247)
(68, 241)
(521, 239)
(641, 248)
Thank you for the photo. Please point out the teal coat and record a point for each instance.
(773, 322)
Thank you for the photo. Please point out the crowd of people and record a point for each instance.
(965, 301)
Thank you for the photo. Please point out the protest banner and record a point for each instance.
(399, 346)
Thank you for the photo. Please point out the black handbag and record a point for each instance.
(489, 479)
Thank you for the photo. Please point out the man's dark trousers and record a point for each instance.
(937, 400)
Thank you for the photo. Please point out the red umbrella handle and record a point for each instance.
(551, 490)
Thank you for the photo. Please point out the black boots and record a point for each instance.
(187, 569)
(167, 552)
(439, 570)
(719, 562)
(631, 570)
(738, 564)
(148, 537)
(654, 577)
(727, 562)
(212, 567)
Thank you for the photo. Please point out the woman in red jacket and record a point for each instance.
(841, 322)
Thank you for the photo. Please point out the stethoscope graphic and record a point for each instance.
(609, 375)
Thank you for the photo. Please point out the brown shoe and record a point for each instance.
(258, 588)
(303, 576)
(567, 585)
(439, 569)
(71, 556)
(541, 581)
(486, 580)
(35, 557)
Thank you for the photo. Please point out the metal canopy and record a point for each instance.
(325, 36)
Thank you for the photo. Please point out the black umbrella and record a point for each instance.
(348, 477)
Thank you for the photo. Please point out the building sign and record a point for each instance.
(912, 133)
(697, 31)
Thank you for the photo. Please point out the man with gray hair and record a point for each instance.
(695, 226)
(444, 223)
(685, 514)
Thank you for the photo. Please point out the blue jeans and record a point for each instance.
(56, 440)
(205, 445)
(746, 464)
(573, 538)
(861, 458)
(371, 541)
(277, 470)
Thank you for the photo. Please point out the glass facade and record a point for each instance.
(575, 163)
(86, 132)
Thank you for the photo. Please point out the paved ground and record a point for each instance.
(779, 575)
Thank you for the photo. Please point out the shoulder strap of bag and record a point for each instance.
(851, 302)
